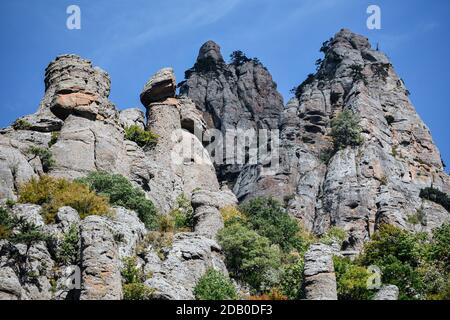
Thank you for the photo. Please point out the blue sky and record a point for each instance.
(132, 39)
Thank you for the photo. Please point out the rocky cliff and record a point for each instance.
(356, 187)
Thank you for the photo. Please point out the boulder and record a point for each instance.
(390, 292)
(161, 86)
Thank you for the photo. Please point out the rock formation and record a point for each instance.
(232, 96)
(356, 188)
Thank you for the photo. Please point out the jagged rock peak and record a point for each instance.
(346, 37)
(210, 50)
(162, 85)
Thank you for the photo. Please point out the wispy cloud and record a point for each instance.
(159, 22)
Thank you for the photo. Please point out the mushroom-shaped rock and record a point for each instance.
(160, 87)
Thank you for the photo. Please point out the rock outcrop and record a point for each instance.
(356, 188)
(231, 97)
(387, 293)
(320, 279)
(189, 258)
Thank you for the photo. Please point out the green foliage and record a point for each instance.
(334, 235)
(44, 155)
(357, 73)
(292, 276)
(398, 254)
(21, 124)
(54, 138)
(122, 193)
(144, 139)
(137, 291)
(249, 256)
(238, 58)
(10, 203)
(437, 196)
(326, 46)
(268, 217)
(6, 224)
(351, 280)
(52, 194)
(133, 277)
(183, 214)
(326, 155)
(214, 285)
(346, 131)
(19, 230)
(69, 250)
(439, 249)
(231, 214)
(417, 218)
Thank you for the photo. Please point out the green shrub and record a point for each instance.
(346, 131)
(52, 194)
(214, 285)
(326, 155)
(334, 235)
(44, 155)
(21, 124)
(24, 232)
(137, 291)
(351, 280)
(69, 251)
(292, 277)
(357, 73)
(54, 138)
(398, 254)
(439, 248)
(268, 217)
(231, 214)
(249, 256)
(122, 193)
(238, 58)
(6, 224)
(183, 214)
(417, 218)
(144, 139)
(437, 196)
(133, 277)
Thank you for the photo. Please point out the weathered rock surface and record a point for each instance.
(101, 278)
(387, 293)
(187, 261)
(132, 117)
(231, 97)
(207, 207)
(161, 86)
(358, 188)
(320, 279)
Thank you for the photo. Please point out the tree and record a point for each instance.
(346, 131)
(268, 217)
(238, 58)
(249, 256)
